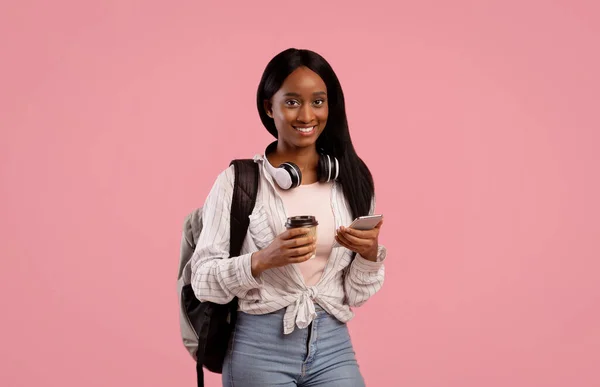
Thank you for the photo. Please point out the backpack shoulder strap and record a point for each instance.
(245, 190)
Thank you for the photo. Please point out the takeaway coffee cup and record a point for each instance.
(304, 221)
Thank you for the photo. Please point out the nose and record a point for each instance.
(306, 114)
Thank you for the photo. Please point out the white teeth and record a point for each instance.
(305, 130)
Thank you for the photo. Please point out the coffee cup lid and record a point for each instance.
(301, 221)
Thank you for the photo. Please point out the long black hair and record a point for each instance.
(355, 178)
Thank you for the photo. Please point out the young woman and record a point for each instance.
(295, 291)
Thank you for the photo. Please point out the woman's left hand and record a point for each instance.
(362, 242)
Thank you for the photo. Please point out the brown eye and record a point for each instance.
(292, 103)
(319, 102)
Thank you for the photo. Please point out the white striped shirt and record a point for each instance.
(218, 278)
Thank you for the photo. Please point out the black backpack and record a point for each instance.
(205, 326)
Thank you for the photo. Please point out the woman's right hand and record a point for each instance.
(288, 247)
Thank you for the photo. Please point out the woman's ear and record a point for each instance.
(268, 107)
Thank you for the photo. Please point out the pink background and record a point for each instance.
(479, 121)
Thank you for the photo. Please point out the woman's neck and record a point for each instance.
(307, 159)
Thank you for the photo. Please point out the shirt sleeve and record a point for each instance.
(364, 278)
(216, 277)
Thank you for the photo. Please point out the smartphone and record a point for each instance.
(363, 223)
(366, 222)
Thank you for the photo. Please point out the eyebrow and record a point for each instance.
(292, 94)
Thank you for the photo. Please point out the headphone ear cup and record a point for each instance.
(294, 173)
(328, 168)
(322, 169)
(335, 168)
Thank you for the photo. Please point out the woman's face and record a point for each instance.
(299, 108)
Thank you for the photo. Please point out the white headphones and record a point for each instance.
(288, 174)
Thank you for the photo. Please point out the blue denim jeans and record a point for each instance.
(260, 355)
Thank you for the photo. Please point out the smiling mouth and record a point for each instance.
(305, 130)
